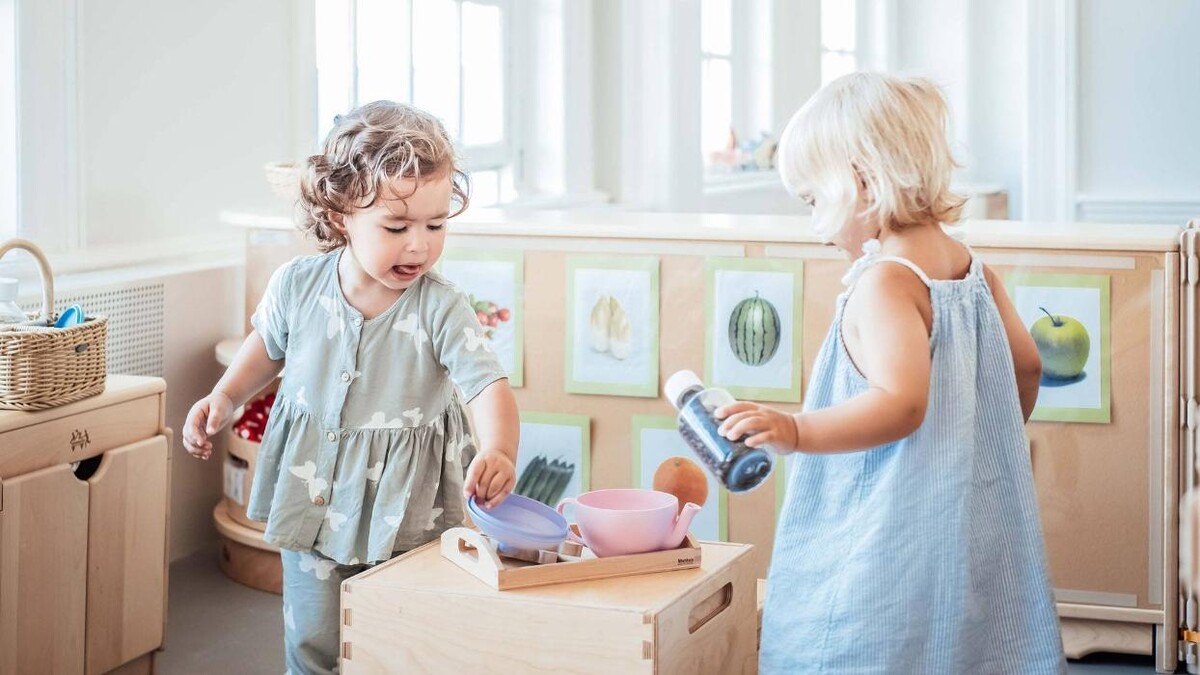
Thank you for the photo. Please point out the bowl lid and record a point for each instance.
(519, 516)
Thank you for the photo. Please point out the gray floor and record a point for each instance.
(218, 626)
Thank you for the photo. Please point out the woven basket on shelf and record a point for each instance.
(43, 367)
(284, 179)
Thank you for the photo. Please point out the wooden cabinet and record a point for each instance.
(84, 494)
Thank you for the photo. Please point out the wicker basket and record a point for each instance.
(43, 367)
(284, 179)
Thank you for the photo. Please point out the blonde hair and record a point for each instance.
(369, 148)
(879, 135)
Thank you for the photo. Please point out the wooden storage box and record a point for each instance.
(239, 477)
(245, 557)
(422, 613)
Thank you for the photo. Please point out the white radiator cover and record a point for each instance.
(135, 323)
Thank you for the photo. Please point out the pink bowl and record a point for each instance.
(624, 521)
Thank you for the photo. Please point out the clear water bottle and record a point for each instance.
(739, 467)
(10, 312)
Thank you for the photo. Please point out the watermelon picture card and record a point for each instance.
(494, 284)
(752, 327)
(612, 325)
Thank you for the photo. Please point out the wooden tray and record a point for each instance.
(475, 553)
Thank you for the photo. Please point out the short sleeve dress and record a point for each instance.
(365, 450)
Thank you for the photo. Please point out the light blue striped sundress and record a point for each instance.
(924, 555)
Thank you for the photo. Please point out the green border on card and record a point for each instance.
(581, 422)
(1101, 282)
(789, 394)
(641, 422)
(517, 377)
(647, 388)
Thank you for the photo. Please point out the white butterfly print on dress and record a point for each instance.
(319, 567)
(307, 472)
(433, 516)
(375, 472)
(393, 521)
(454, 450)
(476, 339)
(336, 520)
(411, 325)
(300, 398)
(336, 323)
(379, 420)
(414, 416)
(288, 619)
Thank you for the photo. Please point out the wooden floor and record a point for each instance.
(216, 625)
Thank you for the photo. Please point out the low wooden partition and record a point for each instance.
(1107, 478)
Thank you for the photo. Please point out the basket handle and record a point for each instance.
(43, 267)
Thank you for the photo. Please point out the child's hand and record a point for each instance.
(204, 420)
(490, 478)
(767, 426)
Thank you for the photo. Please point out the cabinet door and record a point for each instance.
(43, 573)
(127, 536)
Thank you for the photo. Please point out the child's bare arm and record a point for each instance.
(1026, 361)
(492, 474)
(893, 355)
(250, 371)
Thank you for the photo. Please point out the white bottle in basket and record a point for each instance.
(10, 313)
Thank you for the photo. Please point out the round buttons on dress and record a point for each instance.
(332, 436)
(319, 500)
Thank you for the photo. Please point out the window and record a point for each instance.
(449, 57)
(716, 81)
(9, 214)
(839, 42)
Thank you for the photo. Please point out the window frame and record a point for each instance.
(479, 157)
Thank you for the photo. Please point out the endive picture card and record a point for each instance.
(612, 325)
(494, 284)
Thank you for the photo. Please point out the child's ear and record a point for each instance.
(338, 221)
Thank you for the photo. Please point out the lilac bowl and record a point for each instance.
(520, 524)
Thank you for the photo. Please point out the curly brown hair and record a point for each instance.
(369, 148)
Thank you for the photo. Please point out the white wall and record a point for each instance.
(1139, 106)
(976, 52)
(180, 104)
(201, 309)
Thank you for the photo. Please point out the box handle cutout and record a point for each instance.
(708, 610)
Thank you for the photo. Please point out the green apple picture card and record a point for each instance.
(495, 286)
(1068, 317)
(612, 326)
(753, 327)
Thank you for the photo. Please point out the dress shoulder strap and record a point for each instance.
(907, 263)
(872, 257)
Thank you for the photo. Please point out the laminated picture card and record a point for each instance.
(494, 284)
(753, 324)
(612, 326)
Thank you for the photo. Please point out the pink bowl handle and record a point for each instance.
(562, 505)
